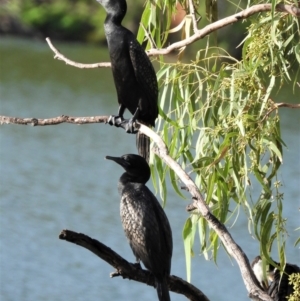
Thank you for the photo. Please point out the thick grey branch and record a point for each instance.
(233, 249)
(128, 270)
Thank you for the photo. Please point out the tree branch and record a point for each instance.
(53, 121)
(198, 33)
(287, 105)
(129, 270)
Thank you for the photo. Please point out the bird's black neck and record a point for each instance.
(113, 19)
(115, 14)
(129, 178)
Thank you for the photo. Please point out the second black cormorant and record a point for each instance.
(144, 221)
(279, 288)
(133, 73)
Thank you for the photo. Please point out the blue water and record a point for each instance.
(56, 177)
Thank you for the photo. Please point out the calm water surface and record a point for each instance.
(56, 177)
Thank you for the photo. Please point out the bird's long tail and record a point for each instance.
(143, 145)
(162, 290)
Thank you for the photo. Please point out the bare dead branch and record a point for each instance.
(232, 248)
(53, 121)
(280, 105)
(129, 270)
(61, 57)
(96, 119)
(198, 34)
(288, 105)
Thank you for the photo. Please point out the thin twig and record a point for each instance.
(53, 121)
(193, 15)
(149, 37)
(61, 57)
(280, 105)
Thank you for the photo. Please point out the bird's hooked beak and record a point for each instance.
(120, 160)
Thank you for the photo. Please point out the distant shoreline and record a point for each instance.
(10, 25)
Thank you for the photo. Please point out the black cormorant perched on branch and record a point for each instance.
(133, 73)
(144, 221)
(279, 288)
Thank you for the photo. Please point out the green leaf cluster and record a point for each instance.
(219, 121)
(294, 279)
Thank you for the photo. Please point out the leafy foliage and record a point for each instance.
(219, 121)
(295, 280)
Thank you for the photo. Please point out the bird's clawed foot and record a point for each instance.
(115, 120)
(130, 125)
(127, 124)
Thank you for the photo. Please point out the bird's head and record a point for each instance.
(136, 167)
(260, 271)
(115, 8)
